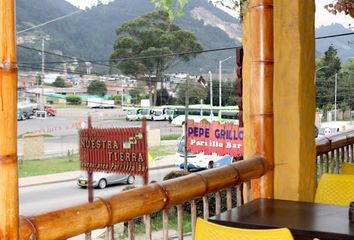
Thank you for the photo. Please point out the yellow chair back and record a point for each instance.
(347, 168)
(335, 189)
(210, 231)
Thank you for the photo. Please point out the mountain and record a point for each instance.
(344, 44)
(90, 34)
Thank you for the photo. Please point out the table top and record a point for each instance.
(305, 220)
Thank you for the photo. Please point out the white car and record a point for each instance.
(103, 179)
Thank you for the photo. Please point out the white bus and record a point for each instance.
(200, 112)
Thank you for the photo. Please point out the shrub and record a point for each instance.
(73, 100)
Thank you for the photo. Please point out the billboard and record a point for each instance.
(116, 150)
(214, 137)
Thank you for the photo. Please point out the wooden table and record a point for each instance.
(305, 220)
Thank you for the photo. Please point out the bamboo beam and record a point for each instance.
(261, 102)
(138, 202)
(9, 221)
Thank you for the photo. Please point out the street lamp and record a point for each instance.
(211, 88)
(220, 62)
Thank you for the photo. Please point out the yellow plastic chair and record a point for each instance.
(210, 231)
(347, 168)
(335, 189)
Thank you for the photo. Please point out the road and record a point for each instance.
(69, 120)
(48, 197)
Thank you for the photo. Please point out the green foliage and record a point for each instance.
(117, 99)
(97, 87)
(59, 82)
(164, 98)
(327, 67)
(73, 100)
(152, 35)
(196, 93)
(173, 8)
(138, 93)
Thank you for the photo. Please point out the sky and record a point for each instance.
(323, 17)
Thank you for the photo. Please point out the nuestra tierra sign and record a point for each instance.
(117, 150)
(214, 137)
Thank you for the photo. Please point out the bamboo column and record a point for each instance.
(261, 92)
(9, 221)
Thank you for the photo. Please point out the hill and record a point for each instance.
(90, 34)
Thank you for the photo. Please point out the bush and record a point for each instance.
(117, 99)
(199, 201)
(73, 100)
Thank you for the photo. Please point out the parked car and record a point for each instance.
(50, 111)
(103, 179)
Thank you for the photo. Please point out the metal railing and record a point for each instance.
(332, 151)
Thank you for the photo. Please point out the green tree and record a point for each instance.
(117, 99)
(328, 66)
(148, 43)
(97, 87)
(59, 82)
(173, 8)
(73, 100)
(164, 98)
(346, 85)
(196, 93)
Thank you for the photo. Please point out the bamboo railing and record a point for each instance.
(8, 106)
(332, 151)
(127, 205)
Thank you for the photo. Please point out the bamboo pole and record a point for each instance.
(9, 221)
(69, 222)
(261, 105)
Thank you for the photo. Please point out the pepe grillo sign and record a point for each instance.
(214, 137)
(116, 150)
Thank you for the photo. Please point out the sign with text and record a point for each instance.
(116, 150)
(214, 137)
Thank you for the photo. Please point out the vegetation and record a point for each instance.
(152, 35)
(59, 82)
(97, 87)
(164, 98)
(73, 100)
(328, 68)
(117, 99)
(170, 137)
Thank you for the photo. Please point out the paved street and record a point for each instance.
(47, 197)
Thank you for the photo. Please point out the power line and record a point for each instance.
(336, 35)
(154, 56)
(50, 21)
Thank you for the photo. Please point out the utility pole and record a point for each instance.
(186, 126)
(335, 96)
(220, 62)
(42, 90)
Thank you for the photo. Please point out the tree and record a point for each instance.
(59, 82)
(196, 92)
(138, 92)
(327, 67)
(173, 8)
(73, 100)
(97, 87)
(147, 46)
(164, 98)
(346, 85)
